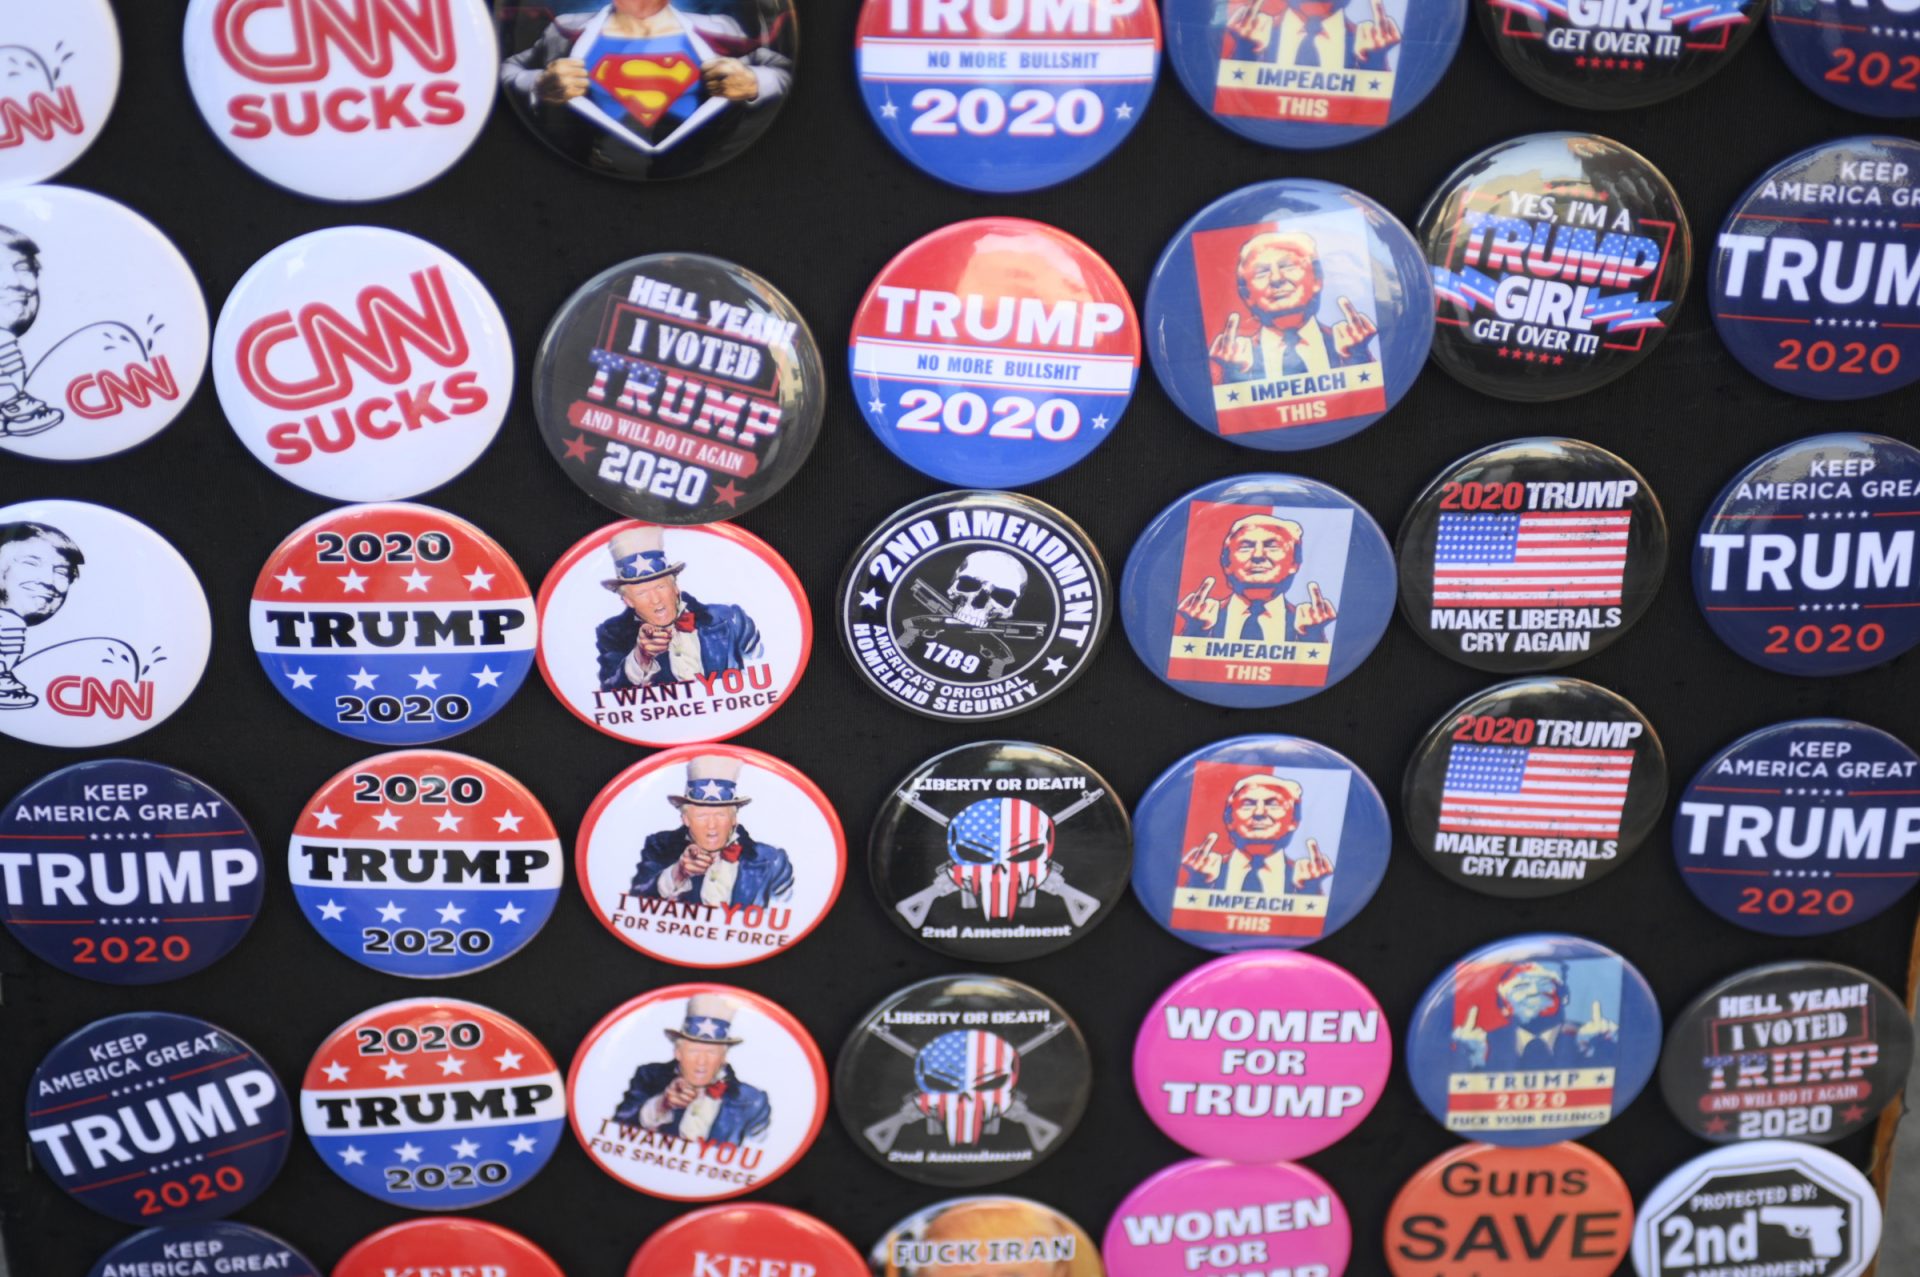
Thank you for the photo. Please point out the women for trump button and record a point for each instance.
(1226, 1219)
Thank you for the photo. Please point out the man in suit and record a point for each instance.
(1259, 558)
(1261, 816)
(696, 1095)
(710, 858)
(1538, 1034)
(1280, 280)
(38, 566)
(20, 413)
(665, 636)
(1309, 33)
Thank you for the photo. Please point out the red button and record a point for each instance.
(707, 1240)
(442, 1244)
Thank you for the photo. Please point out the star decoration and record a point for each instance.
(521, 1144)
(509, 822)
(578, 449)
(466, 1148)
(869, 599)
(508, 1061)
(447, 821)
(479, 579)
(417, 581)
(1716, 1126)
(1853, 1113)
(291, 581)
(486, 676)
(394, 1068)
(705, 1028)
(1100, 422)
(335, 1072)
(409, 1152)
(327, 818)
(425, 678)
(301, 680)
(353, 583)
(1054, 666)
(362, 680)
(1124, 110)
(876, 404)
(509, 912)
(386, 820)
(888, 111)
(452, 1065)
(391, 912)
(332, 912)
(352, 1156)
(711, 789)
(451, 912)
(727, 494)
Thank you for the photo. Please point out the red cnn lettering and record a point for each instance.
(107, 394)
(79, 697)
(378, 343)
(365, 32)
(39, 117)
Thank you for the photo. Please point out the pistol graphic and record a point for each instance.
(1819, 1225)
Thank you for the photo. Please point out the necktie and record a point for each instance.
(1291, 361)
(1251, 883)
(1251, 627)
(730, 852)
(1535, 1053)
(1309, 56)
(685, 622)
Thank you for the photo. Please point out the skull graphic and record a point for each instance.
(965, 1079)
(986, 587)
(999, 851)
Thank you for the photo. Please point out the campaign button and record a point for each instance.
(103, 330)
(1511, 1212)
(668, 864)
(1616, 56)
(396, 624)
(446, 1245)
(973, 1234)
(1862, 65)
(994, 353)
(1802, 828)
(1846, 207)
(1257, 591)
(62, 74)
(127, 872)
(970, 606)
(1260, 842)
(1773, 1205)
(636, 97)
(358, 104)
(752, 1238)
(104, 629)
(425, 863)
(433, 1104)
(1223, 1218)
(1531, 555)
(362, 364)
(657, 665)
(223, 1247)
(1805, 1050)
(1289, 314)
(678, 388)
(963, 1080)
(1769, 570)
(1006, 102)
(1210, 1056)
(1535, 787)
(157, 1118)
(1533, 1040)
(726, 1105)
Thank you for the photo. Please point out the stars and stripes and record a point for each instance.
(1624, 312)
(1000, 850)
(1535, 792)
(966, 1081)
(1535, 559)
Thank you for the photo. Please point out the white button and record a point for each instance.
(59, 75)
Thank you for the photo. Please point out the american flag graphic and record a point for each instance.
(1530, 560)
(1000, 848)
(966, 1080)
(1505, 789)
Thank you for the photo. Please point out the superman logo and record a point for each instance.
(647, 84)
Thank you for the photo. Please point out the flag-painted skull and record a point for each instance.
(965, 1080)
(999, 851)
(986, 587)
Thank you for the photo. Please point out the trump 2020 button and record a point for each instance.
(200, 1127)
(994, 353)
(750, 1237)
(62, 73)
(963, 1080)
(1802, 828)
(674, 864)
(679, 388)
(1259, 842)
(103, 330)
(1533, 1040)
(633, 651)
(969, 1234)
(1860, 56)
(1811, 286)
(1531, 555)
(446, 1245)
(1511, 1212)
(1007, 102)
(1773, 1205)
(396, 624)
(970, 606)
(433, 1104)
(1289, 314)
(127, 872)
(1213, 1218)
(104, 629)
(425, 863)
(1210, 1056)
(1805, 1050)
(1617, 56)
(697, 1092)
(222, 1247)
(1534, 787)
(362, 364)
(1258, 591)
(1559, 261)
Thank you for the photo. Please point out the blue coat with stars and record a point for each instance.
(745, 1111)
(728, 640)
(765, 872)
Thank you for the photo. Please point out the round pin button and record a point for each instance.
(104, 629)
(1616, 57)
(206, 1135)
(337, 107)
(953, 1238)
(783, 1239)
(223, 1247)
(963, 1080)
(1792, 1050)
(1511, 1212)
(127, 872)
(669, 864)
(970, 606)
(1853, 64)
(433, 1104)
(630, 648)
(362, 364)
(642, 98)
(1289, 314)
(1531, 555)
(1802, 828)
(1535, 787)
(1260, 842)
(62, 73)
(1300, 1223)
(396, 624)
(1257, 591)
(1533, 1040)
(447, 1244)
(1559, 261)
(678, 388)
(1209, 1049)
(425, 863)
(999, 851)
(1846, 330)
(103, 330)
(994, 353)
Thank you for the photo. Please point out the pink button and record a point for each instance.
(1221, 1219)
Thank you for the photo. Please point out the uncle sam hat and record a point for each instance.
(709, 1019)
(713, 780)
(637, 557)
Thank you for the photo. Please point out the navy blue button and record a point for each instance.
(1257, 591)
(1289, 314)
(1533, 1040)
(1859, 55)
(1312, 73)
(1802, 828)
(1804, 563)
(1259, 842)
(1617, 56)
(203, 1248)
